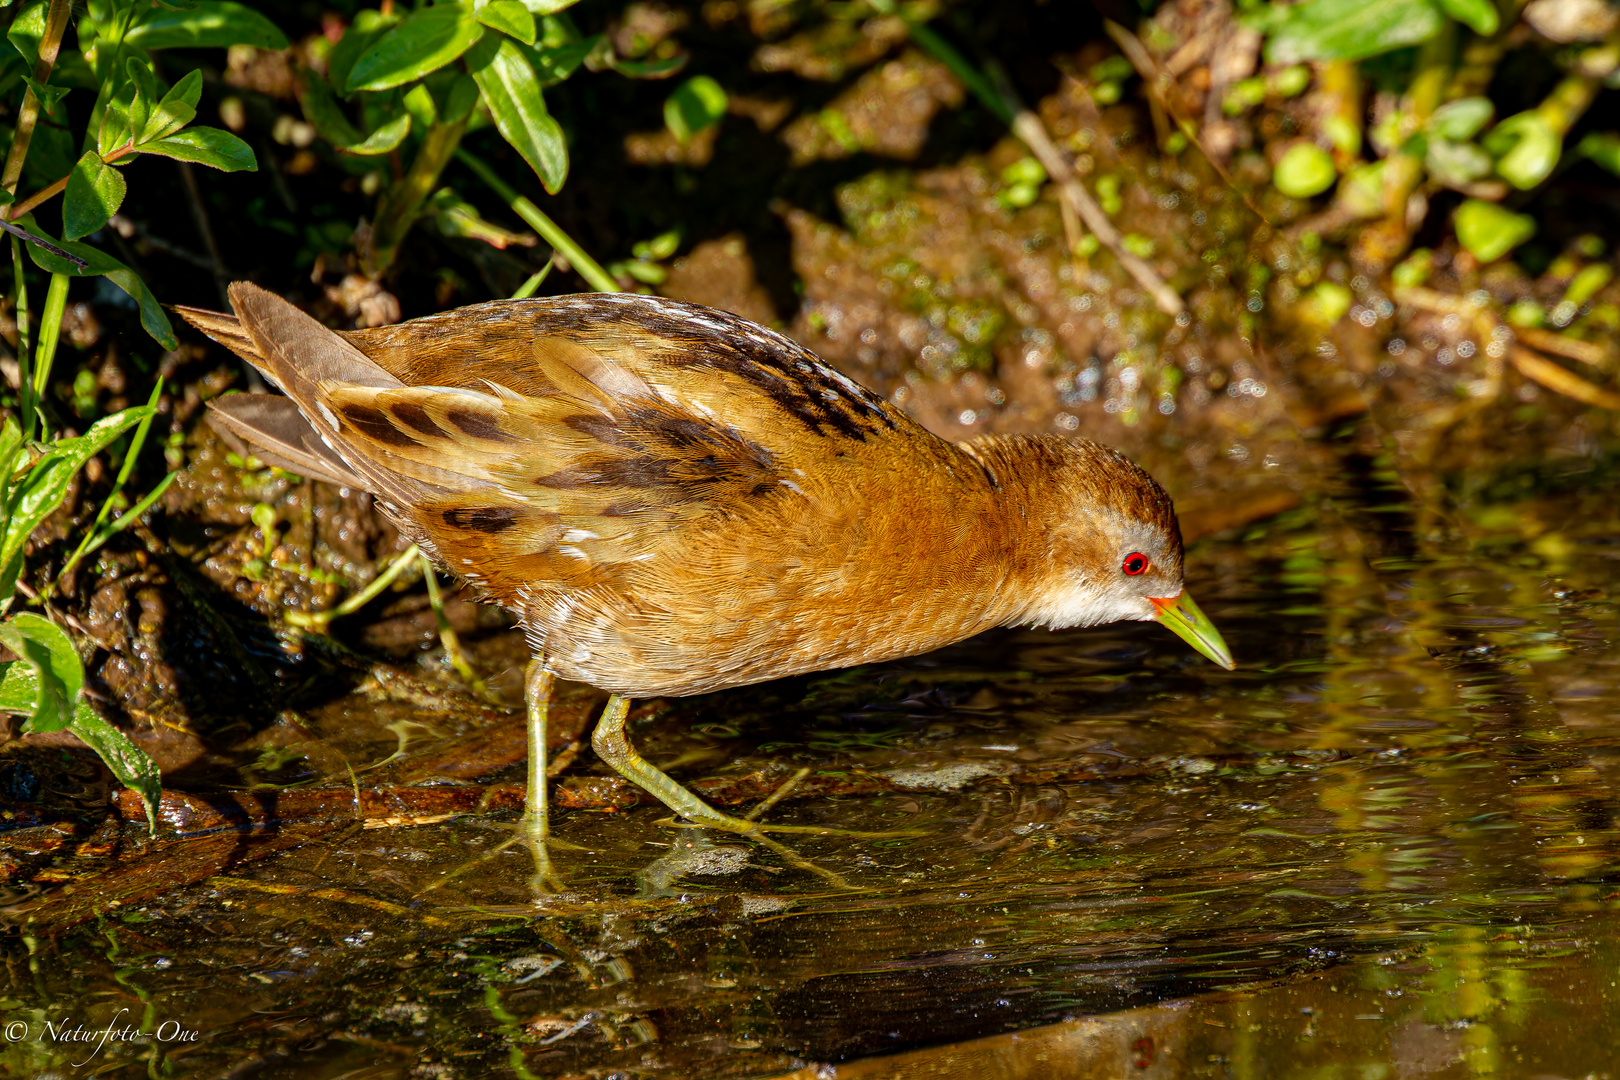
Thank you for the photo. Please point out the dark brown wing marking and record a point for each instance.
(680, 457)
(801, 385)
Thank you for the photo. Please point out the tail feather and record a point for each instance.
(279, 435)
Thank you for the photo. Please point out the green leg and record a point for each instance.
(612, 745)
(537, 687)
(534, 827)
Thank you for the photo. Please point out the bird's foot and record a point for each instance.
(709, 818)
(703, 816)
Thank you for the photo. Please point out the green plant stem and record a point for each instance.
(1477, 64)
(972, 78)
(319, 620)
(447, 633)
(50, 331)
(402, 203)
(56, 20)
(527, 289)
(99, 532)
(552, 233)
(25, 378)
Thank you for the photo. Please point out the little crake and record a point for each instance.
(673, 500)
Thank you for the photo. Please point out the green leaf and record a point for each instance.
(1526, 148)
(146, 92)
(423, 41)
(509, 17)
(48, 95)
(95, 190)
(1602, 148)
(697, 104)
(128, 762)
(1305, 170)
(548, 7)
(646, 69)
(1350, 29)
(460, 100)
(209, 146)
(1490, 231)
(419, 103)
(176, 109)
(206, 24)
(100, 264)
(556, 64)
(383, 140)
(114, 131)
(42, 489)
(367, 27)
(1456, 163)
(59, 674)
(322, 110)
(1480, 16)
(19, 687)
(1462, 119)
(27, 27)
(512, 92)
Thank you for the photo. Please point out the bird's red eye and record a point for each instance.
(1135, 563)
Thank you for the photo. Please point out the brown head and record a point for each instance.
(1105, 545)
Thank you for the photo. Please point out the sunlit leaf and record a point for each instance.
(146, 97)
(1461, 119)
(697, 104)
(1527, 149)
(1350, 29)
(114, 131)
(175, 110)
(203, 24)
(128, 762)
(1490, 231)
(59, 674)
(512, 92)
(95, 190)
(422, 42)
(383, 140)
(99, 264)
(1480, 16)
(42, 489)
(553, 65)
(1305, 170)
(548, 7)
(509, 17)
(27, 27)
(209, 146)
(368, 26)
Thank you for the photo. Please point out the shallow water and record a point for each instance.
(1384, 846)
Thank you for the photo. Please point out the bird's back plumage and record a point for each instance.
(661, 492)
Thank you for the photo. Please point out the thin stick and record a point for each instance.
(318, 620)
(999, 98)
(563, 244)
(55, 24)
(1028, 127)
(447, 633)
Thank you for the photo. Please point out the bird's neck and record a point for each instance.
(1041, 540)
